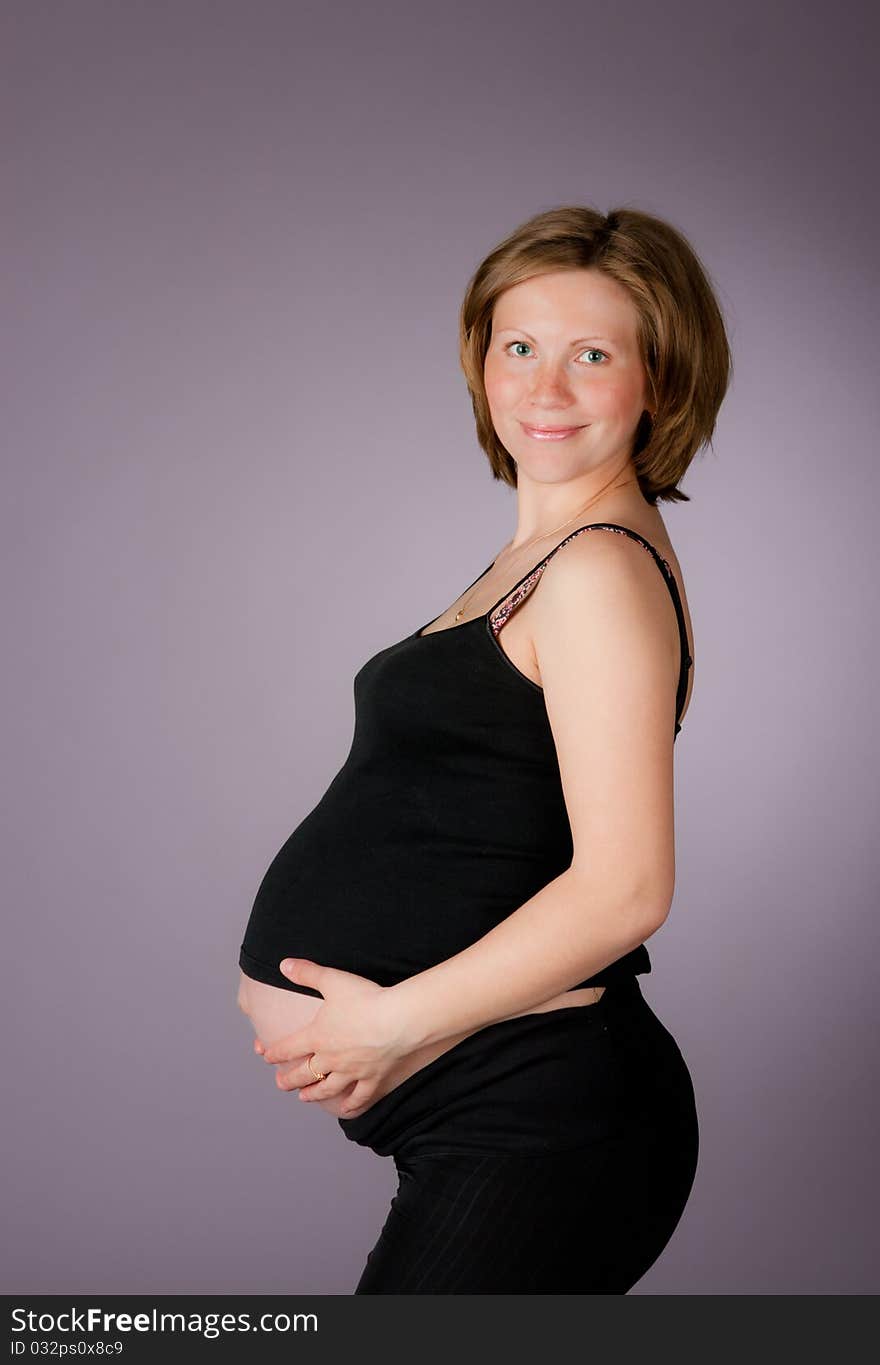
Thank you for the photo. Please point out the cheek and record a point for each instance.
(621, 395)
(503, 388)
(609, 400)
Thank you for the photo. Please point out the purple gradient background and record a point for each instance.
(240, 459)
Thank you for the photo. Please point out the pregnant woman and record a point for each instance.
(462, 917)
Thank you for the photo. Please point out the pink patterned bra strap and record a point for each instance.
(502, 613)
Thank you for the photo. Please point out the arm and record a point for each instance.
(558, 938)
(609, 690)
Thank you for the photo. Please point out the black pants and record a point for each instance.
(549, 1154)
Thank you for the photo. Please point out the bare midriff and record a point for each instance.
(274, 1012)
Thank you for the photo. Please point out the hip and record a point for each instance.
(542, 1082)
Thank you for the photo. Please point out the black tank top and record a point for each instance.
(447, 815)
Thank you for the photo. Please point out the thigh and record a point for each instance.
(587, 1221)
(457, 1224)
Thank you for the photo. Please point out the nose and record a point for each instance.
(550, 387)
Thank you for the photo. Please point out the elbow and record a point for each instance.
(645, 902)
(655, 913)
(655, 900)
(652, 906)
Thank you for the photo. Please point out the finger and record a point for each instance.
(304, 972)
(291, 1047)
(289, 1078)
(362, 1096)
(334, 1086)
(336, 1107)
(336, 1103)
(300, 1077)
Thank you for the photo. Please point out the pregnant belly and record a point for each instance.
(274, 1012)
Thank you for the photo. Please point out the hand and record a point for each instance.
(357, 1037)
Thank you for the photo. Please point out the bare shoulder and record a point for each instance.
(613, 582)
(601, 573)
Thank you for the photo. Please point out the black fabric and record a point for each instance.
(447, 815)
(552, 1154)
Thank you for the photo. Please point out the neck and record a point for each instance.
(544, 509)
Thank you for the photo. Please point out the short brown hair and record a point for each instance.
(681, 333)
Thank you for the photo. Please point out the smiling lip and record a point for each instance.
(549, 433)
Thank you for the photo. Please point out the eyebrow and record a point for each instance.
(577, 342)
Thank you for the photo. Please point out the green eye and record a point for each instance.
(591, 351)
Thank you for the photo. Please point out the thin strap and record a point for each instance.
(512, 599)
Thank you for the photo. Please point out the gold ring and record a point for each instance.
(318, 1075)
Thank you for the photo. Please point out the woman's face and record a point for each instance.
(563, 353)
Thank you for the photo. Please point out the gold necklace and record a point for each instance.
(543, 536)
